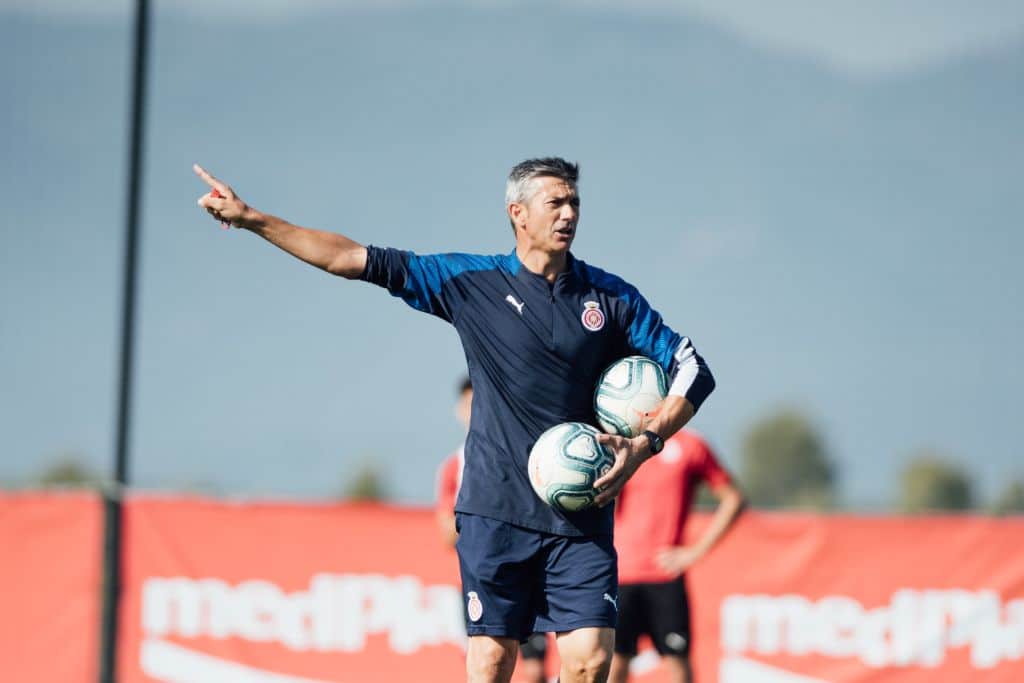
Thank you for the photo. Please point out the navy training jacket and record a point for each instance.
(535, 351)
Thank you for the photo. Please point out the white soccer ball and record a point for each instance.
(629, 395)
(564, 464)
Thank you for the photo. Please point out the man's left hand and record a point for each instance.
(677, 559)
(629, 454)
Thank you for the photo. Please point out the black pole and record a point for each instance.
(112, 498)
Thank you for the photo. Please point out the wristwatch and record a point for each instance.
(654, 442)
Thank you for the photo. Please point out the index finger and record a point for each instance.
(608, 477)
(613, 441)
(209, 179)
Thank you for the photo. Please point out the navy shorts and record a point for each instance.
(661, 610)
(517, 581)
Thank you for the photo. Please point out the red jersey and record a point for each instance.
(449, 478)
(651, 511)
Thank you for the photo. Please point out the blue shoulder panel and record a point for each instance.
(419, 280)
(647, 333)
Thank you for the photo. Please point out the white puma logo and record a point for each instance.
(512, 300)
(614, 601)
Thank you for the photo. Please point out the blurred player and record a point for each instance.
(650, 519)
(449, 475)
(538, 326)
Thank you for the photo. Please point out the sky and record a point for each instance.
(865, 37)
(823, 196)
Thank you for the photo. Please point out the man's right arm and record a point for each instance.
(328, 251)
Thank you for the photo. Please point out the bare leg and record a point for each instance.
(491, 660)
(678, 669)
(586, 654)
(533, 670)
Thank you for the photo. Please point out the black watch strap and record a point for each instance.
(654, 442)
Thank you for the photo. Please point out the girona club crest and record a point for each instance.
(474, 607)
(593, 316)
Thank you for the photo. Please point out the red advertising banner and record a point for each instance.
(279, 593)
(50, 586)
(269, 593)
(808, 599)
(276, 593)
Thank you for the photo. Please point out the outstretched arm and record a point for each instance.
(328, 251)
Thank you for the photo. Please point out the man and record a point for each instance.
(534, 649)
(537, 326)
(650, 517)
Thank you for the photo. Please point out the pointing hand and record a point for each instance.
(221, 202)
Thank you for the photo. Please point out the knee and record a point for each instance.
(589, 662)
(488, 659)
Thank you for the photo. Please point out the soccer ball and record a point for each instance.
(564, 464)
(629, 395)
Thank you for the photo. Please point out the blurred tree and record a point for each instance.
(68, 471)
(1011, 500)
(367, 483)
(784, 464)
(930, 482)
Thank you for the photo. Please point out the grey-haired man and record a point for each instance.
(538, 326)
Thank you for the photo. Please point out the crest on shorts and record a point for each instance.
(593, 316)
(474, 607)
